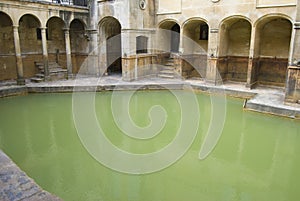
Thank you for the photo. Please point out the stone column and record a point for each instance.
(45, 54)
(20, 75)
(212, 73)
(251, 74)
(292, 87)
(93, 65)
(68, 53)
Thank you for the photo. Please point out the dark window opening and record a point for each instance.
(203, 32)
(175, 38)
(141, 44)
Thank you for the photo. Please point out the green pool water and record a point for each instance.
(256, 158)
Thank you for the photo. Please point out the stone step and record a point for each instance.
(39, 75)
(165, 76)
(168, 68)
(55, 70)
(36, 79)
(40, 65)
(167, 72)
(169, 64)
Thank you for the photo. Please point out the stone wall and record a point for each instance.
(194, 66)
(237, 68)
(272, 71)
(139, 66)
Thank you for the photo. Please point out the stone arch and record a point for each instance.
(170, 40)
(272, 45)
(30, 42)
(195, 46)
(110, 45)
(235, 37)
(56, 40)
(7, 51)
(79, 43)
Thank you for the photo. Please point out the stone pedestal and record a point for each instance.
(251, 74)
(292, 89)
(68, 53)
(212, 74)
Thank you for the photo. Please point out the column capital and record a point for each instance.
(92, 31)
(297, 25)
(66, 31)
(214, 30)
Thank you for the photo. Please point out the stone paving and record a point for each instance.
(15, 185)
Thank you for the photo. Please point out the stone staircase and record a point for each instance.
(56, 72)
(168, 69)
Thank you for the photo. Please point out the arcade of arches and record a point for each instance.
(256, 51)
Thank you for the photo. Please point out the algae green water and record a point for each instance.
(256, 158)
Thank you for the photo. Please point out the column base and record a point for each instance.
(71, 76)
(214, 82)
(47, 78)
(251, 86)
(20, 81)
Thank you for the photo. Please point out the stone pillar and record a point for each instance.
(68, 53)
(292, 87)
(20, 75)
(292, 90)
(45, 54)
(251, 74)
(212, 73)
(92, 64)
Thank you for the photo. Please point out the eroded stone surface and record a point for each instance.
(16, 185)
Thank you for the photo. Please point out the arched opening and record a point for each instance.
(234, 49)
(31, 43)
(110, 39)
(195, 45)
(170, 40)
(175, 38)
(273, 36)
(7, 51)
(79, 44)
(168, 43)
(56, 42)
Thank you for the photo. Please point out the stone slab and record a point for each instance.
(6, 91)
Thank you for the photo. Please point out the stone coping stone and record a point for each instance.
(15, 185)
(6, 91)
(285, 112)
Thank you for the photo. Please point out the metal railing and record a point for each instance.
(71, 2)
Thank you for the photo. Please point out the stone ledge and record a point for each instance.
(294, 114)
(261, 99)
(13, 91)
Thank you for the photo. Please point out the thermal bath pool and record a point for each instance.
(256, 158)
